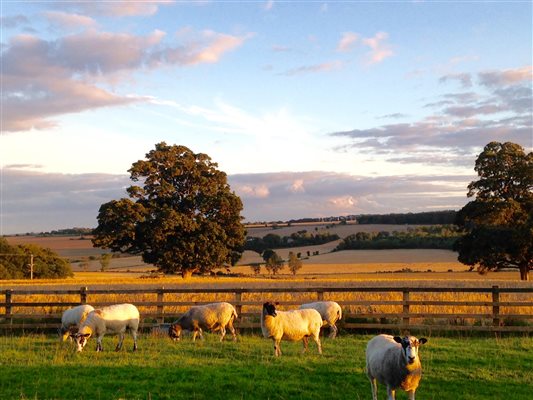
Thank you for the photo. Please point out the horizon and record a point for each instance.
(312, 109)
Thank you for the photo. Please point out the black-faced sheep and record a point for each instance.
(330, 312)
(213, 317)
(394, 362)
(113, 319)
(72, 318)
(290, 325)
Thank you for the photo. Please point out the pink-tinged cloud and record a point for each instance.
(216, 45)
(253, 191)
(506, 77)
(117, 8)
(347, 42)
(379, 49)
(69, 21)
(45, 79)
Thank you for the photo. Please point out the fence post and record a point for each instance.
(238, 299)
(496, 306)
(405, 309)
(160, 305)
(83, 295)
(320, 295)
(9, 300)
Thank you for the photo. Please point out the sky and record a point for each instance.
(312, 108)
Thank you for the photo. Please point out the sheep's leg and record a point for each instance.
(305, 341)
(134, 335)
(277, 348)
(200, 333)
(318, 344)
(332, 331)
(374, 386)
(99, 346)
(232, 330)
(120, 341)
(222, 333)
(391, 393)
(411, 394)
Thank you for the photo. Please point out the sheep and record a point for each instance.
(72, 318)
(330, 312)
(213, 316)
(394, 362)
(290, 325)
(113, 319)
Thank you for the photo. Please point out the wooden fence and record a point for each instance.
(491, 309)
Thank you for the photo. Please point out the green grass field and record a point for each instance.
(39, 367)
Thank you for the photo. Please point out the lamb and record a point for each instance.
(330, 312)
(113, 319)
(72, 318)
(213, 317)
(290, 325)
(394, 362)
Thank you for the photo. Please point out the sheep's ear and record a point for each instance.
(422, 340)
(397, 339)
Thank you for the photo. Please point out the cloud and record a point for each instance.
(69, 21)
(506, 77)
(310, 69)
(347, 42)
(34, 201)
(464, 79)
(43, 79)
(117, 8)
(380, 50)
(462, 123)
(208, 48)
(268, 5)
(14, 21)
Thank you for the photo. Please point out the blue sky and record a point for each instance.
(312, 108)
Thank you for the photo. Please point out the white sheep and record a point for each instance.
(330, 312)
(394, 362)
(72, 318)
(113, 319)
(213, 317)
(290, 325)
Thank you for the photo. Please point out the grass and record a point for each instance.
(39, 367)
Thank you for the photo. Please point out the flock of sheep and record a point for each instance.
(391, 360)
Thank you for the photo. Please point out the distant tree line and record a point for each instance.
(297, 239)
(427, 237)
(15, 262)
(423, 218)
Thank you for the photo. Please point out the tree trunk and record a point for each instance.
(524, 272)
(187, 273)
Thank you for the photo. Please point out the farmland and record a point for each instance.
(463, 366)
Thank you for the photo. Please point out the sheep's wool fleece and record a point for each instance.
(292, 325)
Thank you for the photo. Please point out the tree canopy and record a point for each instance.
(180, 216)
(15, 262)
(499, 221)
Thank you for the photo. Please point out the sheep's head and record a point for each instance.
(410, 346)
(81, 340)
(174, 331)
(269, 309)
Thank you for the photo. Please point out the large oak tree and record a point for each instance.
(181, 214)
(499, 222)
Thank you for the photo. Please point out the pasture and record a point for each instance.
(455, 368)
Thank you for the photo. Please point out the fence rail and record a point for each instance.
(491, 309)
